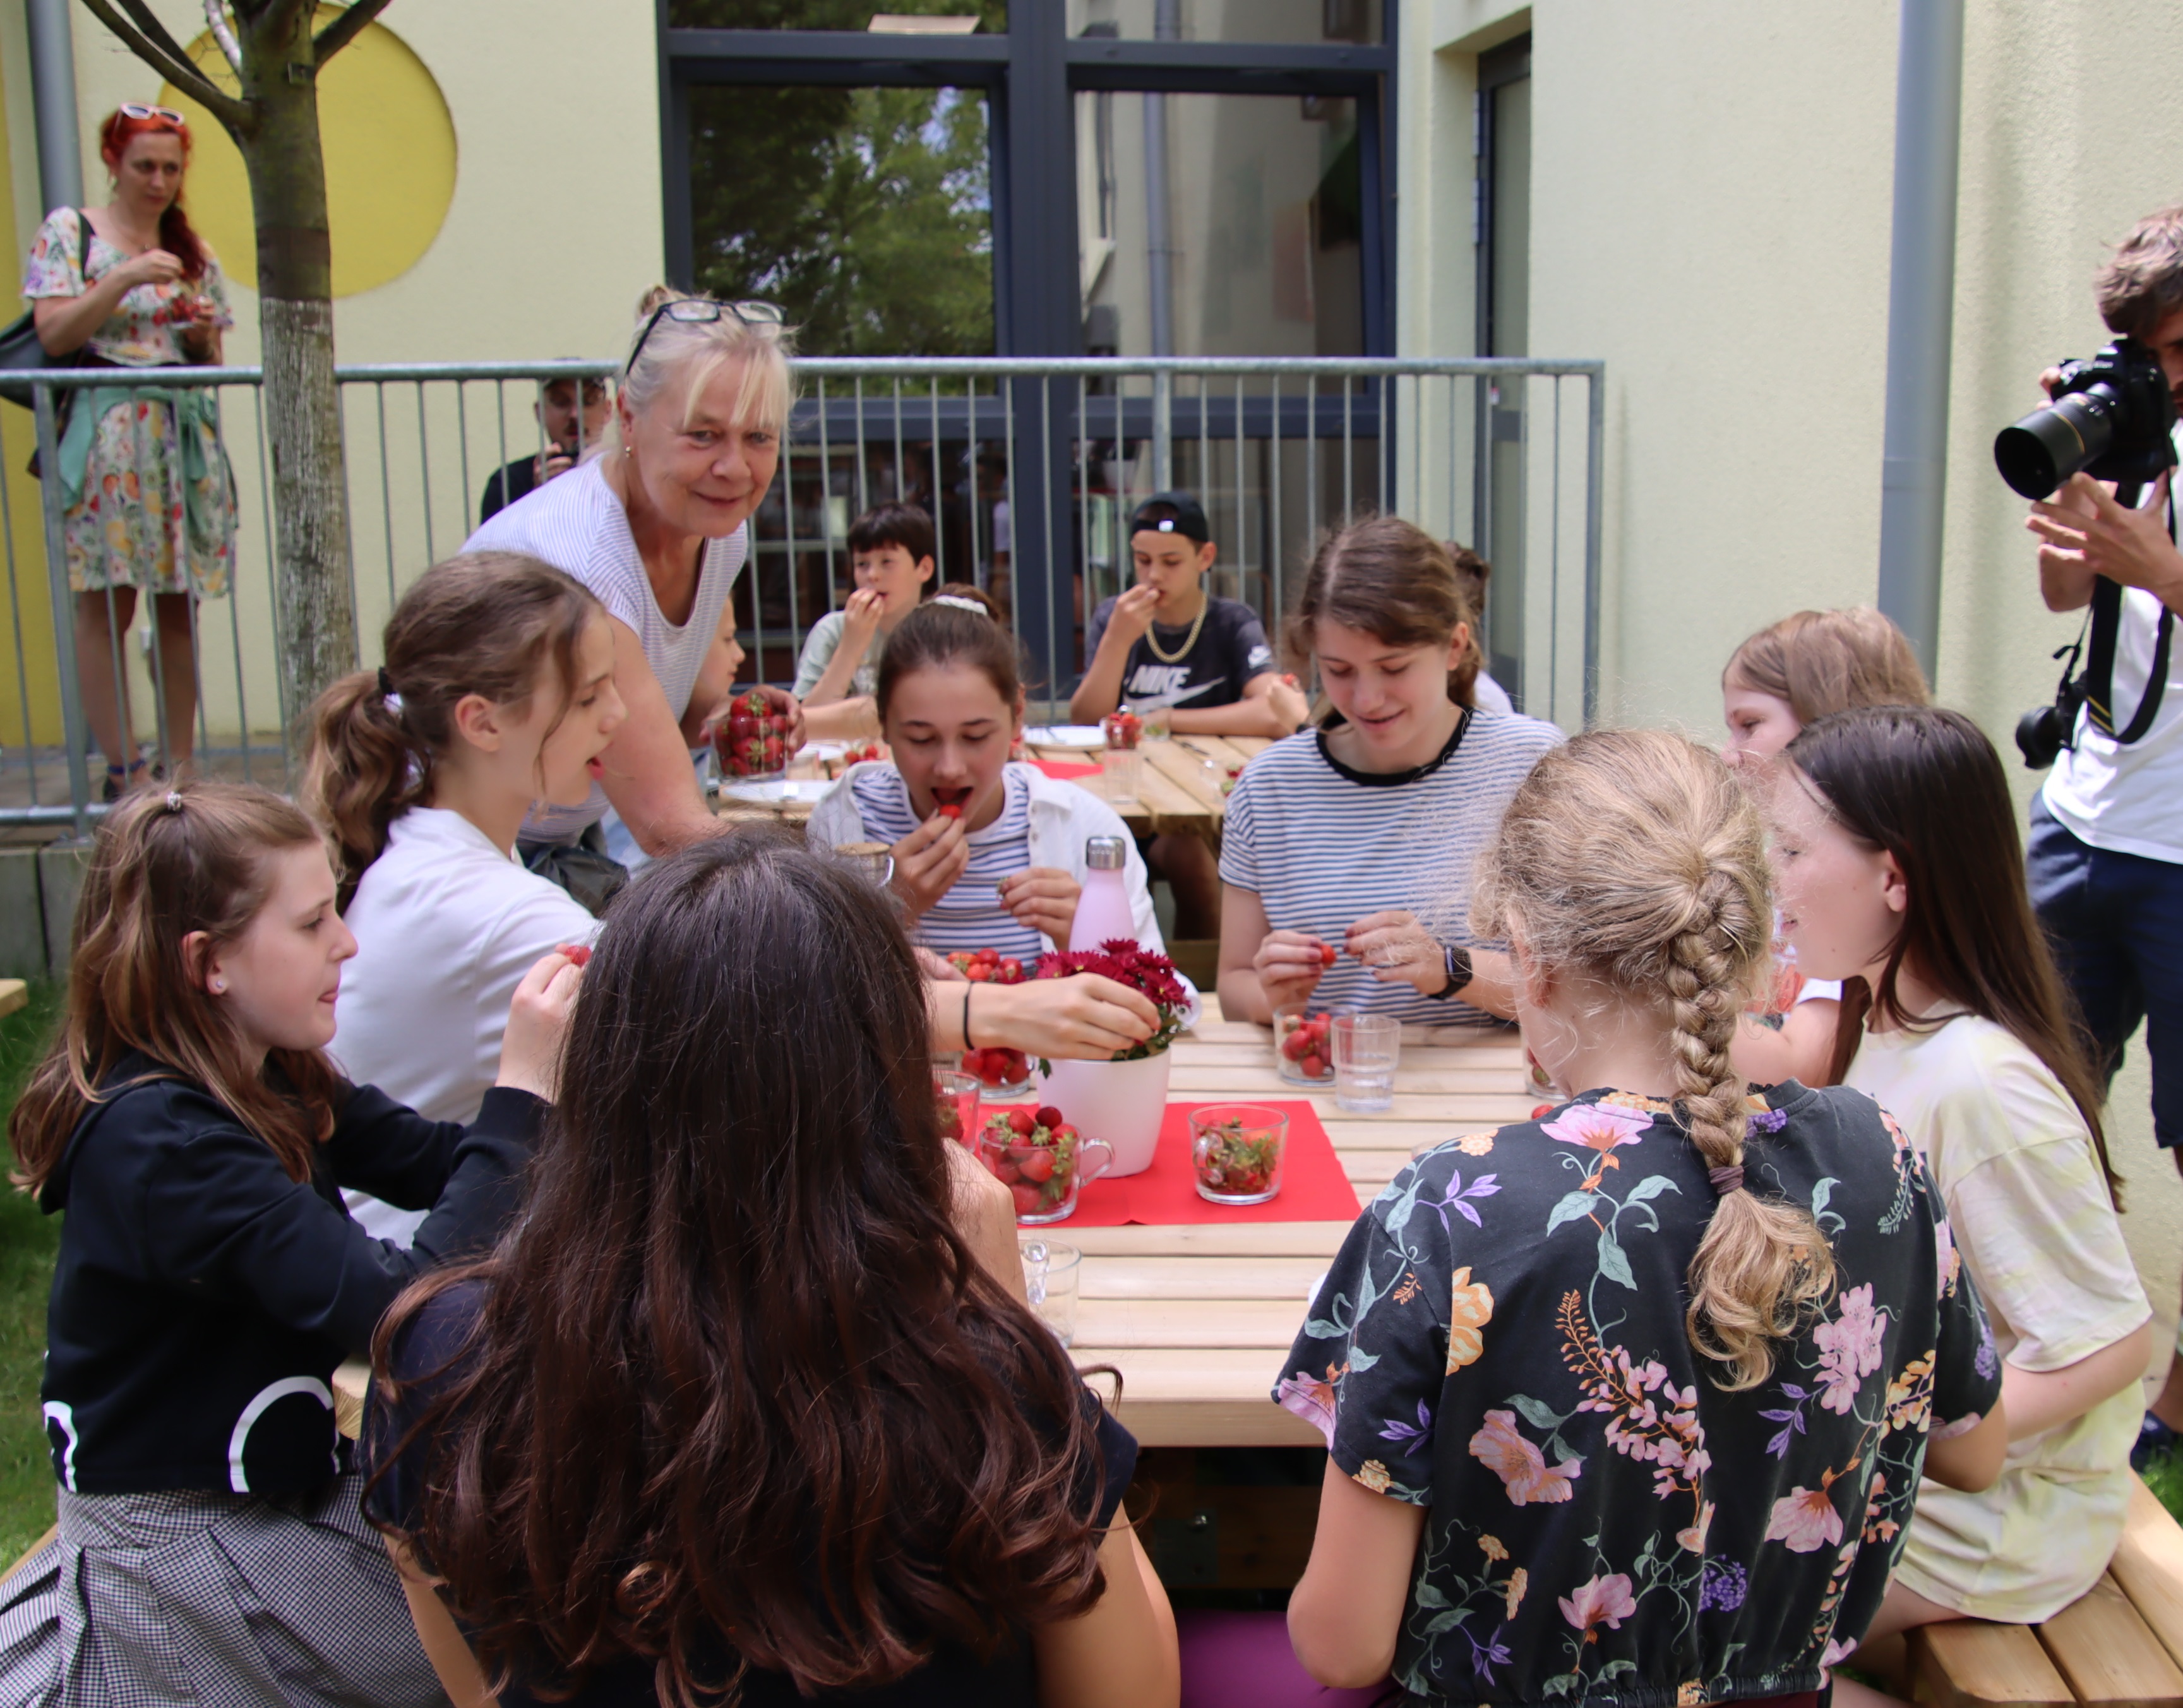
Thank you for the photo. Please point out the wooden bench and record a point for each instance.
(2118, 1646)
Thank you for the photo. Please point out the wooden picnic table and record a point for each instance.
(1180, 793)
(1196, 1318)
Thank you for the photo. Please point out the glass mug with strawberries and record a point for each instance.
(752, 739)
(1041, 1160)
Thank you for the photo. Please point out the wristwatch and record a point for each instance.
(1458, 973)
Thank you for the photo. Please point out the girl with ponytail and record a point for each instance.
(497, 693)
(1633, 1397)
(1902, 874)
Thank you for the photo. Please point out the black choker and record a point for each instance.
(1395, 780)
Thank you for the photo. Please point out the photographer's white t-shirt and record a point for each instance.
(2129, 799)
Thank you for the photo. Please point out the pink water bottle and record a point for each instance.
(1103, 911)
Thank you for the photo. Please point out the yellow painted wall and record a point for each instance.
(29, 671)
(550, 181)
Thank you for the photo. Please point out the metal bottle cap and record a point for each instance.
(1105, 853)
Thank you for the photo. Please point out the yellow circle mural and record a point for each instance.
(389, 154)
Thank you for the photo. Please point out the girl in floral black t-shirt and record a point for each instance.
(1554, 1476)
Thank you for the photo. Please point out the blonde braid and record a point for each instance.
(1761, 1263)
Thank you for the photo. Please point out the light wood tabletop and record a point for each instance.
(1196, 1318)
(1181, 793)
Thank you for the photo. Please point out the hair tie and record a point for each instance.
(174, 800)
(1726, 1180)
(962, 604)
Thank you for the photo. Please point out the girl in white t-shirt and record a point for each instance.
(987, 853)
(498, 694)
(1787, 675)
(1901, 872)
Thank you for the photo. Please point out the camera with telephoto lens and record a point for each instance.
(2111, 418)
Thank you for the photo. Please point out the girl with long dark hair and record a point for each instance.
(735, 1409)
(1901, 873)
(187, 1118)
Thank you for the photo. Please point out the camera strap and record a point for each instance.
(2099, 662)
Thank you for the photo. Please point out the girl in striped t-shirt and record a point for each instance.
(1346, 853)
(987, 854)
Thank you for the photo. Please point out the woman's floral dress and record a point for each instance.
(138, 523)
(1502, 1340)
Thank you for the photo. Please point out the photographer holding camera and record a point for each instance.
(2105, 854)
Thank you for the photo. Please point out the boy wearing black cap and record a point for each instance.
(1168, 640)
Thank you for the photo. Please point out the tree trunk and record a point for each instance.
(314, 589)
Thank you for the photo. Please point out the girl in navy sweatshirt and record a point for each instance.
(211, 1547)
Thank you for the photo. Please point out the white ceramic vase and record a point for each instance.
(1121, 1102)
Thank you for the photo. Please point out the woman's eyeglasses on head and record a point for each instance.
(701, 311)
(138, 109)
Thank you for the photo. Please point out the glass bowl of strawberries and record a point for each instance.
(1235, 1152)
(752, 739)
(1303, 1044)
(1004, 1074)
(956, 1095)
(1123, 730)
(1041, 1160)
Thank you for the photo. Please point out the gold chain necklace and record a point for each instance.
(1152, 638)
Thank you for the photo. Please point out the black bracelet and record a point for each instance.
(967, 990)
(1459, 971)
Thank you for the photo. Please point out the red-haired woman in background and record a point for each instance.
(151, 502)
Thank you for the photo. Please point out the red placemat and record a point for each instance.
(1063, 771)
(1314, 1186)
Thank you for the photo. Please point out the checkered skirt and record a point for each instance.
(214, 1600)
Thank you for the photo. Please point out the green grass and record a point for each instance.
(28, 1241)
(2164, 1476)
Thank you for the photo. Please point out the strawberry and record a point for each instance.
(754, 704)
(1011, 971)
(1028, 1199)
(579, 954)
(978, 973)
(1326, 954)
(1315, 1066)
(1048, 1116)
(950, 810)
(1038, 1167)
(1022, 1122)
(742, 725)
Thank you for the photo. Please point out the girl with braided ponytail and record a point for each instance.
(1632, 1399)
(1902, 874)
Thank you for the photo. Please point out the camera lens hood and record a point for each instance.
(2049, 445)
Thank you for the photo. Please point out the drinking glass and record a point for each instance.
(1124, 768)
(1050, 1275)
(1366, 1048)
(1295, 1056)
(1235, 1152)
(959, 1104)
(872, 862)
(1044, 1179)
(1158, 719)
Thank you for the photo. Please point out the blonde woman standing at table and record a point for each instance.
(1337, 839)
(658, 526)
(151, 504)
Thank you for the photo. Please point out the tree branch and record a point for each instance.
(216, 21)
(176, 67)
(346, 28)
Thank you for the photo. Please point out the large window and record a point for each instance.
(950, 177)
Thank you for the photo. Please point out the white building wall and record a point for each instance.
(1710, 216)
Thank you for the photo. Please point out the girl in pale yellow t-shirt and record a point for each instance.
(1901, 872)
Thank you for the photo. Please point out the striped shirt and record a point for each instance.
(1322, 846)
(969, 916)
(577, 524)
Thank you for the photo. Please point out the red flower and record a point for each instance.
(1122, 960)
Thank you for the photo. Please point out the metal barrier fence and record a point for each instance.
(1028, 469)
